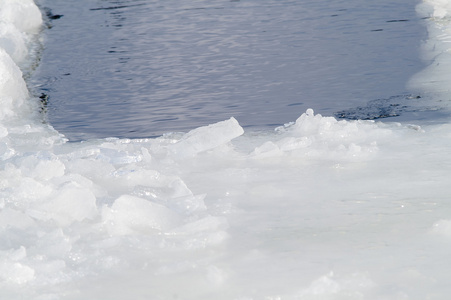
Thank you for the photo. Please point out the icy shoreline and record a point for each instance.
(318, 209)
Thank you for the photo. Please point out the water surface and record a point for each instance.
(142, 68)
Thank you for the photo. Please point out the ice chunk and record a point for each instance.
(24, 14)
(48, 169)
(268, 149)
(54, 244)
(441, 8)
(12, 41)
(315, 136)
(131, 215)
(179, 189)
(16, 272)
(311, 124)
(188, 204)
(118, 157)
(134, 177)
(10, 218)
(71, 203)
(94, 169)
(13, 90)
(12, 268)
(207, 137)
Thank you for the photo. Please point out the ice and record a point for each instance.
(48, 169)
(188, 204)
(23, 14)
(10, 218)
(13, 42)
(206, 138)
(315, 136)
(206, 224)
(129, 215)
(435, 79)
(316, 209)
(440, 8)
(71, 203)
(54, 244)
(12, 270)
(328, 287)
(13, 90)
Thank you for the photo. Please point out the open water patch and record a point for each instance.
(139, 62)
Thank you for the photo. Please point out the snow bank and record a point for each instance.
(23, 14)
(434, 80)
(434, 8)
(21, 127)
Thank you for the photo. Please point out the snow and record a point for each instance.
(435, 79)
(317, 209)
(23, 14)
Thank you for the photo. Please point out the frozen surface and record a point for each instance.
(319, 208)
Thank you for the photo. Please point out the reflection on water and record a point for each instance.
(142, 68)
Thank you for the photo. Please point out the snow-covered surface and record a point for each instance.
(317, 209)
(435, 78)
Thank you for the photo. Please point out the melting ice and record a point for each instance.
(317, 209)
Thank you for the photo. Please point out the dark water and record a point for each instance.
(140, 68)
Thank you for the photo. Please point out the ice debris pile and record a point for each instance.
(317, 137)
(66, 208)
(17, 20)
